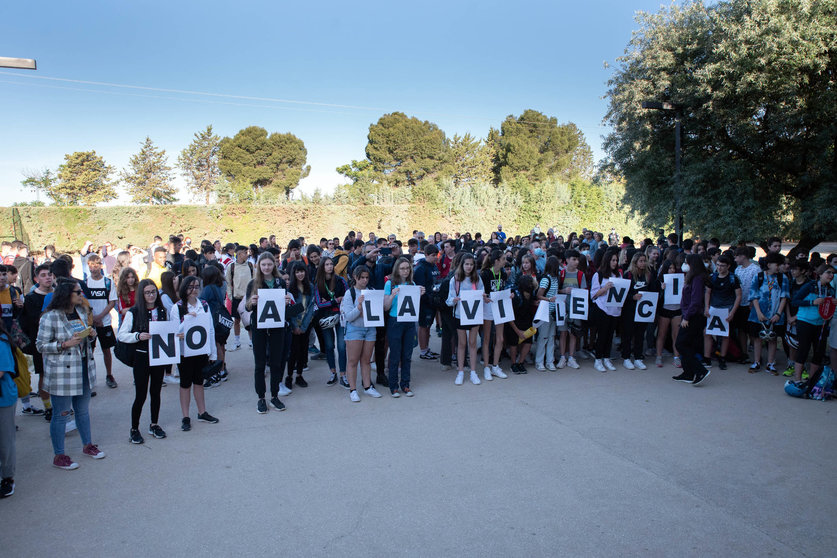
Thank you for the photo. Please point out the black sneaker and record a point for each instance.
(755, 367)
(48, 414)
(92, 394)
(276, 404)
(701, 377)
(209, 383)
(136, 437)
(32, 411)
(722, 364)
(344, 382)
(223, 376)
(261, 407)
(156, 431)
(206, 417)
(382, 380)
(300, 381)
(683, 378)
(111, 382)
(333, 379)
(7, 487)
(427, 356)
(289, 381)
(515, 368)
(186, 424)
(707, 362)
(522, 368)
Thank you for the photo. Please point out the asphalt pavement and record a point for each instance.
(567, 463)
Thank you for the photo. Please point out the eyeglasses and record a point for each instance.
(194, 288)
(77, 291)
(149, 293)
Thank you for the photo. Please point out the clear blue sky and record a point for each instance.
(461, 64)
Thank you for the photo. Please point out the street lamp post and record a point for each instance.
(18, 63)
(678, 116)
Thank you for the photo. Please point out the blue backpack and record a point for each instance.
(819, 387)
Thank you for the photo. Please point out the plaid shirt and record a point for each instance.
(63, 367)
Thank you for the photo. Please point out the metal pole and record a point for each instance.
(678, 223)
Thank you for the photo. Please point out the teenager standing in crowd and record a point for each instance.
(329, 290)
(238, 275)
(148, 380)
(494, 277)
(465, 277)
(811, 329)
(8, 404)
(548, 291)
(768, 297)
(633, 332)
(102, 298)
(605, 317)
(668, 315)
(690, 337)
(65, 339)
(360, 340)
(213, 293)
(722, 292)
(401, 335)
(301, 325)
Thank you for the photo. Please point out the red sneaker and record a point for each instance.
(94, 452)
(64, 462)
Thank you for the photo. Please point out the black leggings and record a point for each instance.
(381, 349)
(142, 374)
(606, 326)
(268, 344)
(811, 336)
(690, 344)
(299, 353)
(633, 334)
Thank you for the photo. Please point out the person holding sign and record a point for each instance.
(268, 343)
(360, 340)
(494, 280)
(723, 291)
(548, 290)
(519, 332)
(690, 337)
(191, 367)
(668, 317)
(134, 330)
(571, 277)
(301, 324)
(633, 332)
(401, 335)
(605, 317)
(465, 278)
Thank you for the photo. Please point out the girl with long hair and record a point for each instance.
(360, 340)
(126, 288)
(605, 317)
(633, 333)
(402, 336)
(303, 294)
(329, 290)
(465, 277)
(668, 315)
(135, 330)
(214, 294)
(690, 337)
(494, 279)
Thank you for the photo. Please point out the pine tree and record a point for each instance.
(148, 176)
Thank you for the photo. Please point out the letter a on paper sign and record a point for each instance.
(717, 323)
(409, 297)
(270, 309)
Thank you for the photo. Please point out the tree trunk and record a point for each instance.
(806, 243)
(207, 197)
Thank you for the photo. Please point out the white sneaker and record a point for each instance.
(562, 362)
(597, 364)
(486, 373)
(169, 379)
(475, 378)
(283, 389)
(609, 365)
(70, 426)
(572, 363)
(551, 367)
(354, 396)
(628, 364)
(460, 377)
(372, 392)
(641, 365)
(540, 367)
(497, 371)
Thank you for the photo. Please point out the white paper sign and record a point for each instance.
(270, 309)
(501, 307)
(717, 323)
(470, 307)
(164, 346)
(646, 307)
(674, 287)
(409, 298)
(196, 340)
(617, 295)
(579, 304)
(373, 308)
(561, 309)
(541, 314)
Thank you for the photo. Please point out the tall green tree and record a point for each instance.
(148, 176)
(84, 178)
(42, 181)
(271, 164)
(198, 163)
(535, 146)
(405, 149)
(754, 84)
(469, 160)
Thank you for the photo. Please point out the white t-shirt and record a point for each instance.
(100, 297)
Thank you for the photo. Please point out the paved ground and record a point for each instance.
(573, 463)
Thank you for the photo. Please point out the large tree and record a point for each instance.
(469, 160)
(84, 178)
(269, 163)
(405, 149)
(754, 84)
(148, 176)
(198, 163)
(41, 181)
(534, 146)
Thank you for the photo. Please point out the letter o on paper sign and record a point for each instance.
(201, 337)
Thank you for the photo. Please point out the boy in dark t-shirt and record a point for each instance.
(724, 291)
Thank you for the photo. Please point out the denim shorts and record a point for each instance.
(355, 333)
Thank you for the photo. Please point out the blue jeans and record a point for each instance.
(328, 341)
(61, 405)
(402, 341)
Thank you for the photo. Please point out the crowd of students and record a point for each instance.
(59, 318)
